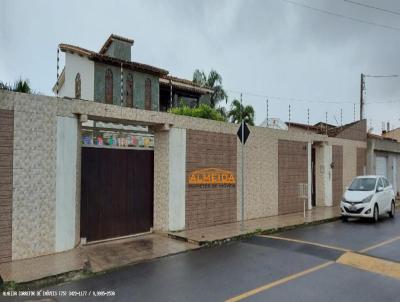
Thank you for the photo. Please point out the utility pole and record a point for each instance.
(267, 114)
(326, 123)
(58, 68)
(341, 117)
(362, 89)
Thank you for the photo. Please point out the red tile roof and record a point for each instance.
(114, 61)
(184, 85)
(375, 136)
(303, 126)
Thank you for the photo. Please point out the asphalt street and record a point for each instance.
(298, 265)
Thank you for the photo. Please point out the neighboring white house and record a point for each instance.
(274, 123)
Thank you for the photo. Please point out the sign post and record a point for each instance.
(243, 134)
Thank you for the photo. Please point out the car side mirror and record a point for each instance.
(379, 189)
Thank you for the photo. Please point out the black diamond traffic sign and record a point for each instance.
(246, 133)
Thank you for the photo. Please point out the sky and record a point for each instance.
(265, 49)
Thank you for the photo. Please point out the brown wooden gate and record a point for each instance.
(116, 192)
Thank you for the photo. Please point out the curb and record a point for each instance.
(207, 243)
(87, 273)
(72, 275)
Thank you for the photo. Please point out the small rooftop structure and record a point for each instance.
(274, 123)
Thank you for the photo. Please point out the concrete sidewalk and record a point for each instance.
(100, 257)
(230, 231)
(93, 258)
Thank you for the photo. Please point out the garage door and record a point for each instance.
(116, 192)
(381, 165)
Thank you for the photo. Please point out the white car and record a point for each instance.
(368, 196)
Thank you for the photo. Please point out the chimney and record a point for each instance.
(388, 126)
(117, 47)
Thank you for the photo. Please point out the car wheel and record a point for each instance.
(344, 218)
(392, 210)
(376, 214)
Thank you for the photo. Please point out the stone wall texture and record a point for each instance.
(34, 164)
(260, 174)
(161, 181)
(208, 206)
(34, 182)
(6, 183)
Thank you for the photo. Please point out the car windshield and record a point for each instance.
(363, 184)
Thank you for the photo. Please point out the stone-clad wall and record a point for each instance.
(34, 167)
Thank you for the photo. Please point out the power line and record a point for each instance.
(382, 76)
(341, 16)
(287, 98)
(290, 99)
(373, 7)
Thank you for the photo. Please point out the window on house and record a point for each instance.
(78, 86)
(109, 87)
(147, 94)
(129, 90)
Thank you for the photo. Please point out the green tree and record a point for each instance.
(19, 86)
(238, 112)
(22, 86)
(202, 111)
(5, 86)
(212, 81)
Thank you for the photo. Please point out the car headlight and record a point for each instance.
(367, 199)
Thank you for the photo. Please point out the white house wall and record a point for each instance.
(75, 64)
(67, 146)
(177, 178)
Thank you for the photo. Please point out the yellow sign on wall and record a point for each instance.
(211, 176)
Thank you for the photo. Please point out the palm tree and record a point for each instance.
(223, 112)
(238, 112)
(212, 81)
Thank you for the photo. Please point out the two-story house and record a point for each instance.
(110, 76)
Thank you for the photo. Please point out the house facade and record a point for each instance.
(67, 179)
(394, 134)
(383, 158)
(111, 77)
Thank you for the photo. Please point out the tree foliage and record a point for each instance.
(239, 112)
(202, 111)
(212, 81)
(19, 86)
